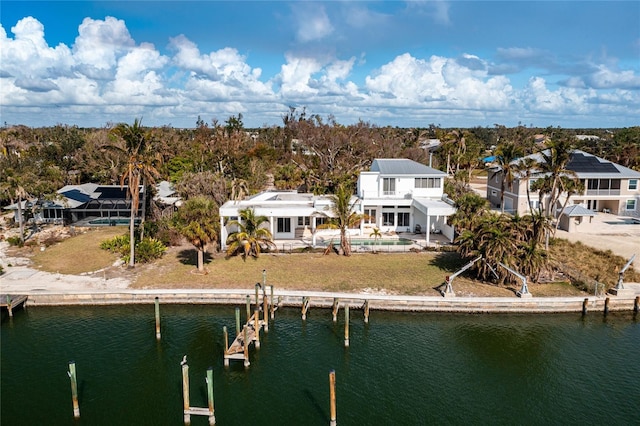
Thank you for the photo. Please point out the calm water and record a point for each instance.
(401, 369)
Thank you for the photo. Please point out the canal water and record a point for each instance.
(400, 369)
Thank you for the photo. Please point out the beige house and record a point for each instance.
(609, 188)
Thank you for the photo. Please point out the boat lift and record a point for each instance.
(448, 280)
(620, 285)
(524, 290)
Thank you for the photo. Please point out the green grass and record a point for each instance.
(79, 254)
(407, 273)
(402, 273)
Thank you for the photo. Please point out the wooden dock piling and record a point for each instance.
(212, 417)
(237, 321)
(584, 306)
(305, 307)
(606, 306)
(366, 311)
(256, 326)
(157, 318)
(335, 309)
(246, 346)
(636, 304)
(226, 344)
(74, 389)
(272, 303)
(346, 325)
(332, 397)
(185, 393)
(265, 312)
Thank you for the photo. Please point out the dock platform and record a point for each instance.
(11, 301)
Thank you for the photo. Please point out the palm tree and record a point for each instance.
(137, 170)
(527, 168)
(197, 221)
(554, 164)
(505, 155)
(343, 208)
(471, 207)
(251, 238)
(495, 243)
(376, 235)
(570, 186)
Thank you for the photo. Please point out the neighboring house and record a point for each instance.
(609, 187)
(402, 195)
(292, 215)
(395, 195)
(88, 202)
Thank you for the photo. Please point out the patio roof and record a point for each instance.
(433, 207)
(577, 210)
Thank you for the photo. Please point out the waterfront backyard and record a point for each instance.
(413, 273)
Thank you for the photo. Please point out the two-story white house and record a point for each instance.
(402, 195)
(395, 195)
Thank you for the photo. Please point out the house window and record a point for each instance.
(531, 182)
(427, 183)
(403, 219)
(284, 224)
(631, 205)
(633, 184)
(304, 221)
(389, 186)
(534, 204)
(321, 221)
(370, 216)
(388, 219)
(434, 183)
(494, 193)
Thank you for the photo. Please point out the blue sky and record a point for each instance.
(450, 63)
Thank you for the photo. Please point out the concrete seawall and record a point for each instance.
(325, 300)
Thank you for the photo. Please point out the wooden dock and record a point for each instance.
(249, 334)
(11, 301)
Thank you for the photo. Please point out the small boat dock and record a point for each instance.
(11, 301)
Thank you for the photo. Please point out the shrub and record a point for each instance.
(15, 241)
(149, 249)
(146, 250)
(116, 244)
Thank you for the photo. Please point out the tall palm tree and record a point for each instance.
(251, 238)
(197, 221)
(505, 155)
(554, 164)
(527, 167)
(138, 169)
(343, 209)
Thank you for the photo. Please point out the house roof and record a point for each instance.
(402, 166)
(588, 166)
(577, 210)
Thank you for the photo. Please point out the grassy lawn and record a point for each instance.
(78, 254)
(407, 273)
(402, 273)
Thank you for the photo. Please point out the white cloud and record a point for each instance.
(100, 43)
(311, 21)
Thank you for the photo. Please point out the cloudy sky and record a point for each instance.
(451, 63)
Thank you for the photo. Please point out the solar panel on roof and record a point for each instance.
(111, 192)
(581, 163)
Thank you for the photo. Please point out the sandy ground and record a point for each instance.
(19, 278)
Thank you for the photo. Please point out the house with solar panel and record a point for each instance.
(609, 188)
(394, 195)
(85, 204)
